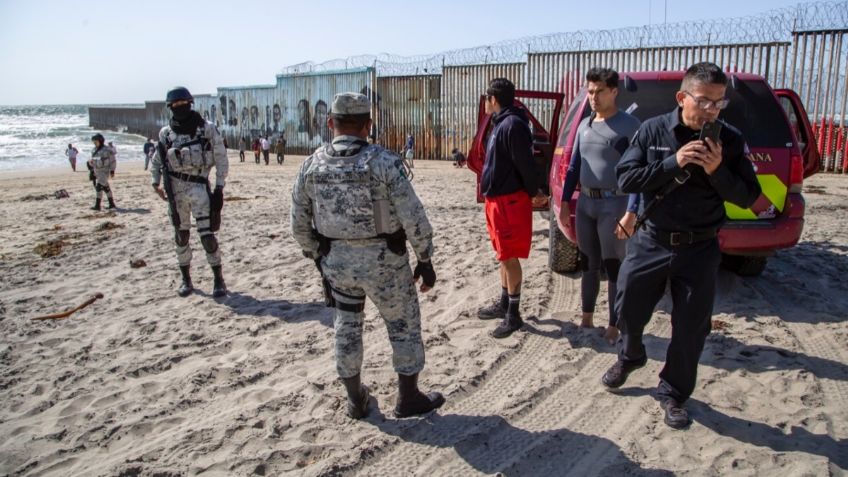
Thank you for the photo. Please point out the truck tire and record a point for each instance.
(745, 265)
(563, 256)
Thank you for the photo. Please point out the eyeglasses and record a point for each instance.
(707, 103)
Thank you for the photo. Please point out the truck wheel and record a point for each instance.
(744, 265)
(563, 256)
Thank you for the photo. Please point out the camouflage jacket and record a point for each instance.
(327, 205)
(195, 159)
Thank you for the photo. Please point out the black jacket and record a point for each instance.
(509, 165)
(698, 205)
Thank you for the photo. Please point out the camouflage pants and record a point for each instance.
(193, 199)
(366, 268)
(102, 183)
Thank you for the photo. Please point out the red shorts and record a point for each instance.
(509, 219)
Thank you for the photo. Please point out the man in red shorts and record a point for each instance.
(508, 183)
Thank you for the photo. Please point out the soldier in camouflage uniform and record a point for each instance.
(352, 211)
(103, 165)
(192, 147)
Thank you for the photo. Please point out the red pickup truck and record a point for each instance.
(773, 122)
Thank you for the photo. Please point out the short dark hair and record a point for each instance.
(704, 73)
(503, 91)
(608, 76)
(350, 121)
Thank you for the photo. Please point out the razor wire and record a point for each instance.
(771, 26)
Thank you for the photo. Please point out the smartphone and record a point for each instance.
(710, 130)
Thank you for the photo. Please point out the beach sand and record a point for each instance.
(143, 382)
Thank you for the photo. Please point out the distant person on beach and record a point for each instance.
(72, 152)
(149, 150)
(192, 147)
(458, 158)
(256, 149)
(280, 149)
(114, 150)
(242, 146)
(409, 150)
(266, 148)
(102, 164)
(352, 213)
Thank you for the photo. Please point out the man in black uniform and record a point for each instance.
(678, 244)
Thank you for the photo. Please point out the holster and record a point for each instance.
(329, 301)
(395, 241)
(216, 205)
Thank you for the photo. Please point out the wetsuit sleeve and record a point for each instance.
(219, 152)
(735, 180)
(636, 173)
(520, 145)
(410, 211)
(572, 175)
(633, 203)
(301, 212)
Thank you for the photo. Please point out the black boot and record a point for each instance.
(510, 324)
(219, 288)
(186, 288)
(112, 203)
(411, 401)
(96, 205)
(357, 397)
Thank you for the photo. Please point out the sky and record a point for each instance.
(111, 52)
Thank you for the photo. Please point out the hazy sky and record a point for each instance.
(100, 52)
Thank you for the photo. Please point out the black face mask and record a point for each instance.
(181, 112)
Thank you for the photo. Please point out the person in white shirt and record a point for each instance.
(72, 152)
(265, 144)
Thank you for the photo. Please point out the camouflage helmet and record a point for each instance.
(178, 93)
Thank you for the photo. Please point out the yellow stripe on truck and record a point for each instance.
(773, 189)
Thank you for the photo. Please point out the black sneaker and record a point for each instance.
(507, 327)
(675, 416)
(491, 312)
(617, 374)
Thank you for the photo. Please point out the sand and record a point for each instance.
(143, 382)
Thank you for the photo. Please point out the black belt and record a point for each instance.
(600, 193)
(188, 177)
(683, 237)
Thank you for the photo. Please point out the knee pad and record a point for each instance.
(181, 237)
(210, 243)
(107, 188)
(611, 265)
(98, 187)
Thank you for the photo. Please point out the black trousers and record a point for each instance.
(691, 271)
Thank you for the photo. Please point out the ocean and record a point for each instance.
(36, 137)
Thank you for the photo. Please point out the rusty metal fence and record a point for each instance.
(440, 110)
(461, 90)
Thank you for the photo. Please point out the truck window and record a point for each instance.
(576, 105)
(753, 109)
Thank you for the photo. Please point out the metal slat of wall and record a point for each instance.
(462, 86)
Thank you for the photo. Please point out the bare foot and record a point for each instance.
(611, 334)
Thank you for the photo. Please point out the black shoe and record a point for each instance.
(411, 401)
(219, 288)
(112, 204)
(491, 312)
(186, 287)
(675, 416)
(96, 205)
(617, 374)
(508, 326)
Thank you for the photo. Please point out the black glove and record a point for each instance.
(426, 272)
